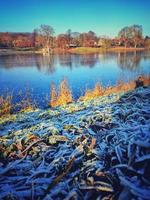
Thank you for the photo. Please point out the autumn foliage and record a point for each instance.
(96, 92)
(119, 87)
(5, 105)
(26, 104)
(44, 37)
(63, 97)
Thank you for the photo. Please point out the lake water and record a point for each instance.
(36, 72)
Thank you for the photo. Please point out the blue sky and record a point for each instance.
(105, 17)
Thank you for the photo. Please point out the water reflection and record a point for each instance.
(48, 64)
(45, 63)
(73, 61)
(130, 61)
(125, 60)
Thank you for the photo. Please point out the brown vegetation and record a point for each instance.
(44, 38)
(90, 94)
(25, 104)
(63, 97)
(5, 105)
(119, 87)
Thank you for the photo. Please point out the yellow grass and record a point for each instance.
(88, 50)
(63, 97)
(26, 104)
(5, 105)
(124, 49)
(119, 87)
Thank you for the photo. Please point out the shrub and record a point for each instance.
(63, 97)
(5, 105)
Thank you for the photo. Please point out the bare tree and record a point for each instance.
(132, 33)
(47, 33)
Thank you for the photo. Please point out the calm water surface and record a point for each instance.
(18, 72)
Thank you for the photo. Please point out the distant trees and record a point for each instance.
(147, 42)
(63, 41)
(88, 39)
(69, 38)
(9, 40)
(44, 38)
(47, 32)
(76, 39)
(131, 35)
(6, 40)
(23, 41)
(104, 42)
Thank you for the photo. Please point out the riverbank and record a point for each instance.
(78, 50)
(85, 150)
(89, 50)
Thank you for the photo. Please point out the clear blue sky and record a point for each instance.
(105, 17)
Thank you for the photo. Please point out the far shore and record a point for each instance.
(78, 50)
(88, 50)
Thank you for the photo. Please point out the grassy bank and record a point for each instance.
(88, 50)
(123, 49)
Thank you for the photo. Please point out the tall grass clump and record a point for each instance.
(90, 94)
(25, 103)
(63, 97)
(5, 105)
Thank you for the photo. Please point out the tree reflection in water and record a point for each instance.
(47, 64)
(130, 60)
(125, 60)
(74, 60)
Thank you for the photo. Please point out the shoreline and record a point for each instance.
(64, 98)
(78, 50)
(88, 50)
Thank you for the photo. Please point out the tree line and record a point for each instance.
(44, 37)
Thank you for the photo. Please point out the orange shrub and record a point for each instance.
(119, 87)
(64, 97)
(98, 90)
(90, 94)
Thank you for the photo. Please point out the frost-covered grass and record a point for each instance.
(92, 149)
